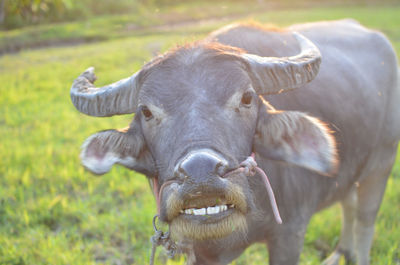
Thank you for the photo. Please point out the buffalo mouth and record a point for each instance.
(208, 217)
(217, 211)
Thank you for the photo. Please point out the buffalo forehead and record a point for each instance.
(213, 79)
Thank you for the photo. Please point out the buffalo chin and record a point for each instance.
(184, 228)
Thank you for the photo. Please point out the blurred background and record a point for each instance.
(17, 13)
(52, 211)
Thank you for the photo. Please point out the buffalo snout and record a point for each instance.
(201, 203)
(201, 172)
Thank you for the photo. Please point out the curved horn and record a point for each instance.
(114, 99)
(275, 75)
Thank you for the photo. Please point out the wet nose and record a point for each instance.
(202, 172)
(203, 163)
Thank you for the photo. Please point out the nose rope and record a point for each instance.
(157, 193)
(249, 168)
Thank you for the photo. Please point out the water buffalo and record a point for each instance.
(319, 109)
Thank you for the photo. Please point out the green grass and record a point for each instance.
(54, 212)
(108, 27)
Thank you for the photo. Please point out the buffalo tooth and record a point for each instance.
(201, 211)
(189, 211)
(212, 210)
(209, 210)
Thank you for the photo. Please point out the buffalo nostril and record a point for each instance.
(180, 174)
(181, 171)
(221, 168)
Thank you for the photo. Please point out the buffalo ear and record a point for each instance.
(296, 138)
(104, 149)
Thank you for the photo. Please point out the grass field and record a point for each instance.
(54, 212)
(145, 20)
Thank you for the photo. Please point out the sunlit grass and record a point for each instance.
(54, 212)
(108, 27)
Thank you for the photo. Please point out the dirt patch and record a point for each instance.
(17, 47)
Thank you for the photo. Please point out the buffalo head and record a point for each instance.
(199, 113)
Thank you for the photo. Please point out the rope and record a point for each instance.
(161, 238)
(154, 246)
(249, 168)
(271, 196)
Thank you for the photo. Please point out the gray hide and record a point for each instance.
(199, 116)
(357, 93)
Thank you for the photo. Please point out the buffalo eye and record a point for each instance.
(247, 98)
(147, 113)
